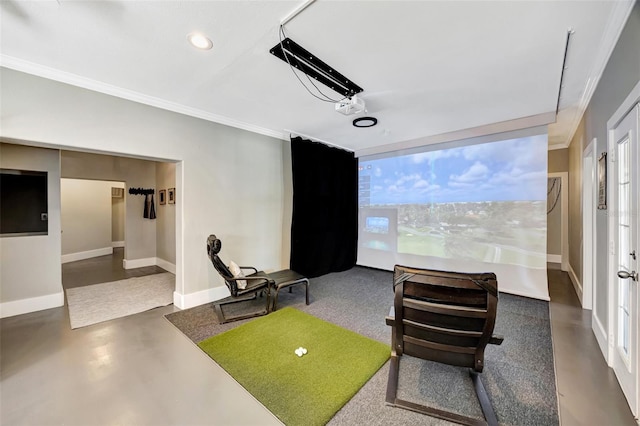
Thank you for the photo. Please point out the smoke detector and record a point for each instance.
(350, 106)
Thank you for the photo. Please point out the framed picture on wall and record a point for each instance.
(163, 196)
(602, 181)
(171, 195)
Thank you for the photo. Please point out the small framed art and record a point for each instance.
(602, 181)
(171, 195)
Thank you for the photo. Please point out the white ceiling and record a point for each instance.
(429, 69)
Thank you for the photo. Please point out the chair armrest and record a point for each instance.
(254, 278)
(496, 339)
(255, 271)
(391, 318)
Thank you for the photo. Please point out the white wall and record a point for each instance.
(228, 181)
(166, 222)
(30, 270)
(86, 218)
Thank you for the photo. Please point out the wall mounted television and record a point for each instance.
(23, 203)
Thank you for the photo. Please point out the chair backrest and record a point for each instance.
(446, 317)
(214, 245)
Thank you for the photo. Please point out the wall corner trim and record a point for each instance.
(138, 263)
(577, 286)
(601, 336)
(32, 304)
(167, 266)
(554, 258)
(72, 257)
(186, 301)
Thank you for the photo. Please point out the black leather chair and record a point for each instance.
(447, 317)
(259, 283)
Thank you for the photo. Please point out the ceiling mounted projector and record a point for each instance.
(350, 106)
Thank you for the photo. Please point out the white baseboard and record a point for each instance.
(72, 257)
(167, 266)
(117, 244)
(577, 286)
(186, 301)
(601, 335)
(138, 263)
(149, 261)
(33, 304)
(554, 258)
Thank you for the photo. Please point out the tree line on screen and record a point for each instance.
(511, 232)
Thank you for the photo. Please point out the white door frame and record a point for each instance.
(589, 225)
(632, 99)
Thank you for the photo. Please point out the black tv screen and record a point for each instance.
(23, 203)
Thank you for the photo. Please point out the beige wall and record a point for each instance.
(575, 201)
(117, 217)
(558, 161)
(554, 223)
(166, 221)
(139, 233)
(30, 268)
(86, 215)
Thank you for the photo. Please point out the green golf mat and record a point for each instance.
(305, 390)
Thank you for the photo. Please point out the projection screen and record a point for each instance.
(472, 206)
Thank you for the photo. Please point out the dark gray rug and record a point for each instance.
(519, 375)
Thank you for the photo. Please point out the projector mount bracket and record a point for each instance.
(298, 57)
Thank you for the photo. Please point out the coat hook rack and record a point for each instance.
(141, 191)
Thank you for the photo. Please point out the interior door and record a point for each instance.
(625, 210)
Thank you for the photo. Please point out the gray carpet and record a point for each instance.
(102, 302)
(519, 375)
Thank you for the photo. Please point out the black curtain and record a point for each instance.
(324, 226)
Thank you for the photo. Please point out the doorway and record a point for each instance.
(138, 245)
(624, 186)
(557, 205)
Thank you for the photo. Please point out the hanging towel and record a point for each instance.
(152, 209)
(146, 206)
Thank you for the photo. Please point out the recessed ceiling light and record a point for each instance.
(200, 41)
(365, 122)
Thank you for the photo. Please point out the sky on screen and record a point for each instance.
(510, 170)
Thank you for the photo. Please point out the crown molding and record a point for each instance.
(38, 70)
(557, 146)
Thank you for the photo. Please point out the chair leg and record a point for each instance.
(483, 398)
(392, 382)
(222, 319)
(277, 290)
(275, 300)
(394, 401)
(306, 289)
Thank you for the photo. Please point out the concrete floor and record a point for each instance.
(588, 391)
(102, 269)
(141, 370)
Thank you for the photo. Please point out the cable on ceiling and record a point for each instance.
(324, 98)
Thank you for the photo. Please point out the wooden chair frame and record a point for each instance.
(447, 317)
